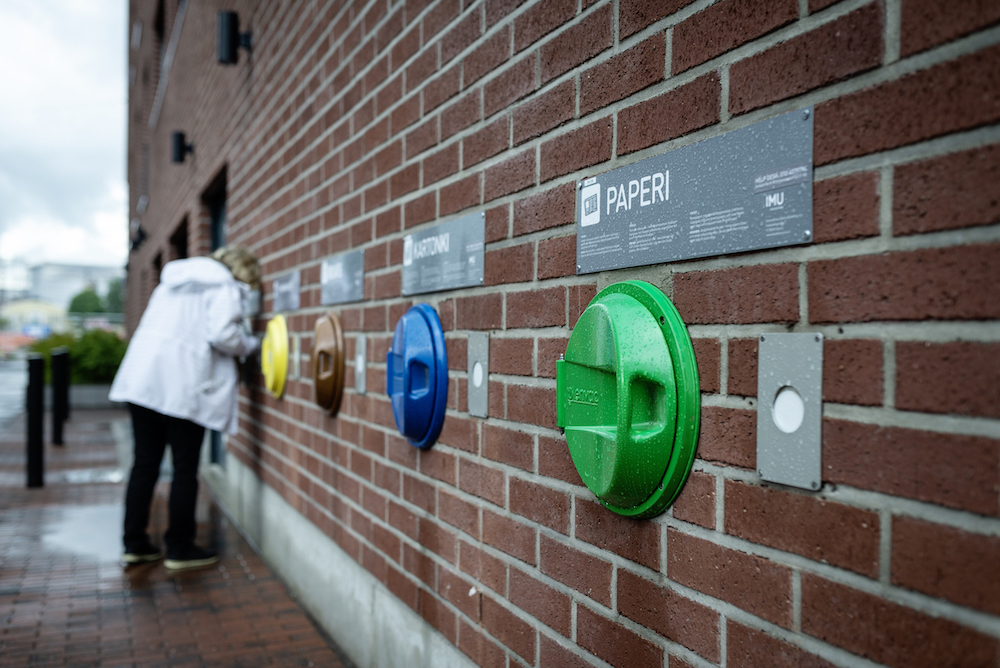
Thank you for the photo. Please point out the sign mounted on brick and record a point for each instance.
(745, 190)
(342, 278)
(446, 256)
(286, 292)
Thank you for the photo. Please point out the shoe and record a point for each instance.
(190, 556)
(142, 554)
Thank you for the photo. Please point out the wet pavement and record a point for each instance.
(67, 600)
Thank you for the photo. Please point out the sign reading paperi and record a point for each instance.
(342, 278)
(745, 190)
(446, 256)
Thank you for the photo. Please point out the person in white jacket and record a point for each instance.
(179, 377)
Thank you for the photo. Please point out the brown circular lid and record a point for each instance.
(328, 362)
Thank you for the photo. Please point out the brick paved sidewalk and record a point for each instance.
(67, 600)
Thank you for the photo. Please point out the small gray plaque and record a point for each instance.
(446, 256)
(360, 355)
(745, 190)
(286, 292)
(342, 278)
(479, 374)
(790, 409)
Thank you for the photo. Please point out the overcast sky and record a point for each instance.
(63, 91)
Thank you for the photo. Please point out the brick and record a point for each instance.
(627, 73)
(483, 481)
(577, 43)
(511, 356)
(852, 371)
(438, 539)
(543, 602)
(556, 655)
(443, 88)
(743, 367)
(541, 19)
(696, 502)
(748, 648)
(946, 562)
(579, 297)
(888, 633)
(388, 222)
(479, 312)
(724, 26)
(927, 284)
(552, 208)
(408, 45)
(509, 629)
(404, 181)
(498, 9)
(514, 264)
(557, 257)
(536, 308)
(420, 210)
(441, 164)
(479, 648)
(497, 222)
(458, 355)
(460, 115)
(544, 112)
(510, 176)
(532, 405)
(613, 642)
(925, 23)
(914, 464)
(707, 353)
(485, 569)
(728, 436)
(458, 513)
(830, 53)
(637, 540)
(455, 589)
(509, 536)
(435, 613)
(510, 85)
(846, 207)
(549, 351)
(751, 583)
(678, 112)
(634, 15)
(487, 56)
(461, 194)
(956, 95)
(672, 616)
(486, 143)
(420, 70)
(950, 192)
(554, 460)
(959, 377)
(741, 295)
(540, 504)
(516, 448)
(823, 531)
(419, 493)
(422, 137)
(460, 37)
(584, 147)
(587, 574)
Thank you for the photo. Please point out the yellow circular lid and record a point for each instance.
(274, 355)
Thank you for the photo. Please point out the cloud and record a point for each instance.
(63, 73)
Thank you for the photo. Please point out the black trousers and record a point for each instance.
(152, 432)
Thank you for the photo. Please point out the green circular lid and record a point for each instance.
(629, 399)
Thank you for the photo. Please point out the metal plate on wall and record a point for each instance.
(286, 292)
(479, 373)
(745, 190)
(342, 278)
(360, 356)
(446, 256)
(790, 409)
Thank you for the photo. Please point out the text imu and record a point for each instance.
(645, 189)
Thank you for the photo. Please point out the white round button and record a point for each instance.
(788, 410)
(477, 374)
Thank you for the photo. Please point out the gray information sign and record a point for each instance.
(745, 190)
(342, 278)
(286, 292)
(446, 256)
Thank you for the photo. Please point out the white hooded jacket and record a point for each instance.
(180, 361)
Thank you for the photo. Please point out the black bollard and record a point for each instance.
(60, 393)
(36, 422)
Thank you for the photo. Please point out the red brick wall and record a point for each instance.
(353, 122)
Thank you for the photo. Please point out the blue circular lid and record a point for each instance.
(417, 375)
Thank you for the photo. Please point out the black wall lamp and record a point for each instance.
(230, 38)
(179, 147)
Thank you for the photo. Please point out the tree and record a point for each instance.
(86, 302)
(113, 301)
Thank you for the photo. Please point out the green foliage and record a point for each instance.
(93, 358)
(86, 302)
(114, 301)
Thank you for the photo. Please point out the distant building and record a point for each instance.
(34, 318)
(59, 283)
